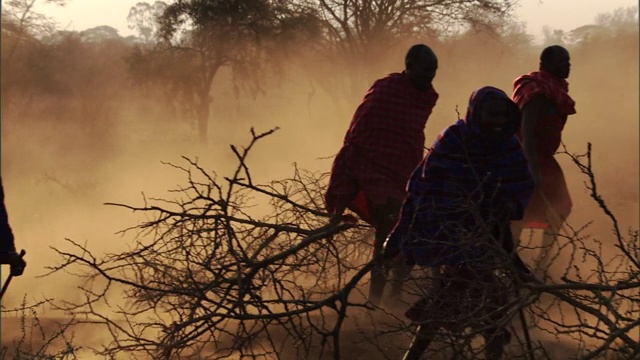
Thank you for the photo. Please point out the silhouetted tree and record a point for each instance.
(361, 29)
(210, 35)
(360, 37)
(143, 17)
(22, 31)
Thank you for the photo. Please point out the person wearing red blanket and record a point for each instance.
(384, 143)
(543, 98)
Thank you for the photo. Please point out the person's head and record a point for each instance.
(493, 114)
(420, 64)
(555, 60)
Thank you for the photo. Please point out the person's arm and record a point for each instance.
(7, 244)
(531, 113)
(8, 254)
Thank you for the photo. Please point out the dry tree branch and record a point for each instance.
(204, 269)
(207, 276)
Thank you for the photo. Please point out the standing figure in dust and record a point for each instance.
(383, 145)
(455, 223)
(8, 254)
(543, 98)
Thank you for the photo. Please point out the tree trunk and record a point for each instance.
(203, 119)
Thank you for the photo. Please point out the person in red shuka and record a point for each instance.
(383, 145)
(543, 97)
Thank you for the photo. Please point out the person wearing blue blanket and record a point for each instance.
(8, 254)
(456, 219)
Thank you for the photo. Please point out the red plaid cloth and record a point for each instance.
(556, 194)
(383, 145)
(548, 133)
(547, 84)
(548, 136)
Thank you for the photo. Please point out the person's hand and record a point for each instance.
(337, 219)
(14, 260)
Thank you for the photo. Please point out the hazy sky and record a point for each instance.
(557, 14)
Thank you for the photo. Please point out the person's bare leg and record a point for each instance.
(378, 280)
(385, 216)
(399, 272)
(496, 336)
(549, 238)
(420, 343)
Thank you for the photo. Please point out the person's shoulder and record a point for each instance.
(388, 85)
(525, 78)
(397, 75)
(452, 134)
(391, 78)
(457, 127)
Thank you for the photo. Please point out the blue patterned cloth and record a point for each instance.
(465, 192)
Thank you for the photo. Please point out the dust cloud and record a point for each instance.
(58, 171)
